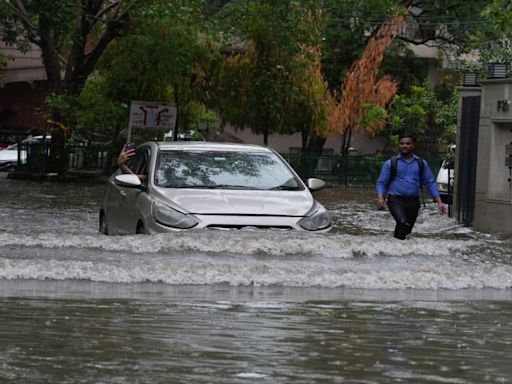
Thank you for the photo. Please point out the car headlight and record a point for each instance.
(442, 187)
(317, 221)
(172, 218)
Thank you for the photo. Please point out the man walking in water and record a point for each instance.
(401, 178)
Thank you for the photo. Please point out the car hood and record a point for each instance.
(238, 202)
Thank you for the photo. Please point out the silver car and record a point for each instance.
(189, 185)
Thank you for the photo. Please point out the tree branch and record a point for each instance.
(83, 67)
(108, 35)
(113, 4)
(19, 9)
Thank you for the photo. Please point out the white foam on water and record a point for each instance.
(340, 261)
(250, 375)
(246, 243)
(360, 253)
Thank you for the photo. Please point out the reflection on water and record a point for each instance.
(231, 335)
(354, 305)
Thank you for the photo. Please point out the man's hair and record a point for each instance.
(407, 135)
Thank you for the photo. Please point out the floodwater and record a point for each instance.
(351, 306)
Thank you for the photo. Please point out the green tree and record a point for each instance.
(429, 114)
(72, 36)
(163, 57)
(168, 56)
(265, 86)
(493, 44)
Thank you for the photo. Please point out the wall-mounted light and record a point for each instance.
(469, 79)
(497, 71)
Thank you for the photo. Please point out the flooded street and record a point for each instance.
(350, 306)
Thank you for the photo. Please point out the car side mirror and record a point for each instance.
(315, 184)
(128, 180)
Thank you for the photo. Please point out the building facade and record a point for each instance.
(22, 92)
(483, 168)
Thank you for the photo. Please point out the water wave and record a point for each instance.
(245, 243)
(254, 258)
(53, 241)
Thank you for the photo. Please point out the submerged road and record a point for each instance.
(353, 305)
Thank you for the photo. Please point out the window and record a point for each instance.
(226, 170)
(138, 163)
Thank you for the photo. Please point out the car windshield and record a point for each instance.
(13, 147)
(223, 170)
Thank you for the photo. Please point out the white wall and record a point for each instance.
(363, 144)
(22, 66)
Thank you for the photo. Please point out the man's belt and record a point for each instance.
(404, 198)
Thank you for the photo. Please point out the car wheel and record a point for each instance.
(103, 224)
(140, 229)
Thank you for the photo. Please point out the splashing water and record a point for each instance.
(51, 234)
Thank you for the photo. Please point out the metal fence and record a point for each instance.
(87, 157)
(45, 158)
(347, 171)
(335, 170)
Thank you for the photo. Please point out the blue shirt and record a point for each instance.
(407, 178)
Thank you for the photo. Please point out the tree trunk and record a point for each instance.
(304, 137)
(49, 54)
(315, 144)
(58, 156)
(347, 139)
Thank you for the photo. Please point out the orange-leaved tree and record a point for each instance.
(363, 97)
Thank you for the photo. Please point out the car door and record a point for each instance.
(121, 203)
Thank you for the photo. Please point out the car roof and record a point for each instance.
(210, 146)
(35, 139)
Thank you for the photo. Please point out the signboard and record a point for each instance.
(147, 114)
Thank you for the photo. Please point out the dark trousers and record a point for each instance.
(404, 210)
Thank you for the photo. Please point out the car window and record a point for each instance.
(13, 147)
(138, 163)
(216, 169)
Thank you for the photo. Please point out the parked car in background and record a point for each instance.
(8, 137)
(446, 177)
(10, 156)
(209, 185)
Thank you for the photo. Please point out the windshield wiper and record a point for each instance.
(215, 186)
(285, 188)
(230, 186)
(192, 186)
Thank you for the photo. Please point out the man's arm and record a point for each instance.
(382, 183)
